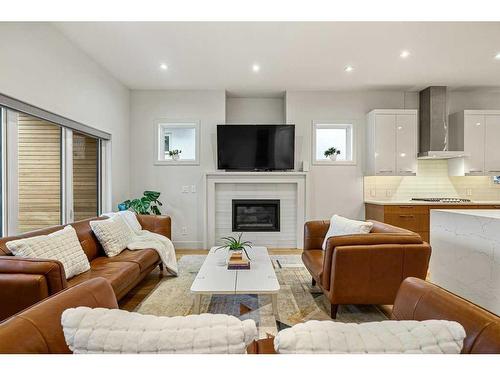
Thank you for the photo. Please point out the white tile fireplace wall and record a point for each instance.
(288, 187)
(287, 195)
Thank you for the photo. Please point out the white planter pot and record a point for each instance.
(175, 157)
(333, 157)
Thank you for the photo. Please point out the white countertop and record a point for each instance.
(490, 214)
(420, 203)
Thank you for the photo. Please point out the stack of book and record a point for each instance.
(238, 262)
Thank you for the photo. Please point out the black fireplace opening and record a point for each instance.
(256, 215)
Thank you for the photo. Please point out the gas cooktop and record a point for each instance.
(442, 200)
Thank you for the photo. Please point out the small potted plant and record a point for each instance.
(174, 154)
(234, 244)
(332, 153)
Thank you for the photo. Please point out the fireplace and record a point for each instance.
(256, 215)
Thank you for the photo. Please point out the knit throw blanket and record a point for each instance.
(143, 239)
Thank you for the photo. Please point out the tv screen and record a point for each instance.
(255, 147)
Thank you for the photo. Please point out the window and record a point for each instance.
(38, 173)
(339, 135)
(50, 173)
(85, 176)
(177, 143)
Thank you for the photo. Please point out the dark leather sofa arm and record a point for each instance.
(38, 329)
(159, 224)
(26, 281)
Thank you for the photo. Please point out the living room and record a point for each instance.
(287, 187)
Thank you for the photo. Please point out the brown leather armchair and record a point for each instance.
(363, 268)
(421, 300)
(26, 281)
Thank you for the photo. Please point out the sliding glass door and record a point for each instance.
(85, 176)
(38, 173)
(51, 176)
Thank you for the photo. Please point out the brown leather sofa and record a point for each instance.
(421, 300)
(24, 281)
(38, 330)
(363, 268)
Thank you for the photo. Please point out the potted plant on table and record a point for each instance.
(234, 244)
(332, 153)
(146, 205)
(174, 154)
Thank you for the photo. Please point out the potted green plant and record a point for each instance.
(332, 153)
(146, 205)
(174, 154)
(234, 244)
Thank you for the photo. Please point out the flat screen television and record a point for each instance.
(255, 147)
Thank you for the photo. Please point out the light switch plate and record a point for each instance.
(373, 192)
(185, 189)
(388, 193)
(468, 192)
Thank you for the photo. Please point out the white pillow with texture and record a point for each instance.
(341, 226)
(390, 336)
(62, 245)
(113, 234)
(116, 331)
(131, 219)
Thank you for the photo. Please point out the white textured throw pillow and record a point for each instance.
(62, 245)
(113, 234)
(131, 219)
(341, 226)
(102, 330)
(405, 336)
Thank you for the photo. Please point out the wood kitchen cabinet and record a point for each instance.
(412, 216)
(477, 133)
(392, 142)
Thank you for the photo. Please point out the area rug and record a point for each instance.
(298, 301)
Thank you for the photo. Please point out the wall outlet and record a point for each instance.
(468, 192)
(185, 189)
(373, 192)
(193, 188)
(184, 231)
(388, 193)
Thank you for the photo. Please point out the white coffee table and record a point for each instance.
(214, 278)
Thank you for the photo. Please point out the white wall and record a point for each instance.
(38, 65)
(336, 189)
(187, 209)
(255, 111)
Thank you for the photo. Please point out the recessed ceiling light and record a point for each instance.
(256, 67)
(163, 66)
(497, 56)
(404, 54)
(348, 68)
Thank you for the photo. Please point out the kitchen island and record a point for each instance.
(466, 254)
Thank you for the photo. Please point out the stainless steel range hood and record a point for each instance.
(433, 127)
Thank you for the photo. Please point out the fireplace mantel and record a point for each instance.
(212, 179)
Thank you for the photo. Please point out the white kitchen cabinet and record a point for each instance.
(474, 133)
(477, 133)
(392, 143)
(406, 144)
(491, 149)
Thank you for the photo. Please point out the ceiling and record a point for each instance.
(292, 56)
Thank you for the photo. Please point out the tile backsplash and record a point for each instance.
(431, 181)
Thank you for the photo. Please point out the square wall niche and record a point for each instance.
(255, 108)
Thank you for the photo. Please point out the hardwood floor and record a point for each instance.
(137, 295)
